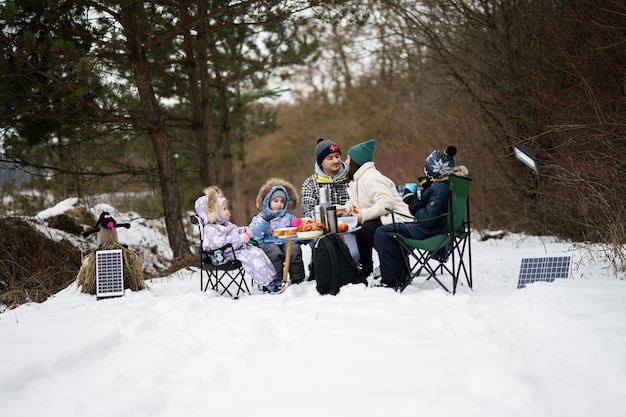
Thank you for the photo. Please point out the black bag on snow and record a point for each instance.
(333, 266)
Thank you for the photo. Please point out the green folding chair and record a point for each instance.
(434, 253)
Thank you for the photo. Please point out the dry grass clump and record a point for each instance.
(65, 223)
(133, 270)
(32, 266)
(82, 215)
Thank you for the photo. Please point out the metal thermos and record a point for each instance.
(319, 214)
(331, 219)
(324, 195)
(324, 203)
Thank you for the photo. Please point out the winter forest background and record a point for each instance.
(149, 102)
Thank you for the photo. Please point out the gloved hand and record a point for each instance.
(407, 196)
(267, 215)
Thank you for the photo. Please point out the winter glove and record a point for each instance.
(408, 196)
(412, 201)
(267, 215)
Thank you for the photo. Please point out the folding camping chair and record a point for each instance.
(223, 277)
(454, 243)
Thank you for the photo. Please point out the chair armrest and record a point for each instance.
(414, 219)
(393, 217)
(227, 246)
(210, 254)
(393, 214)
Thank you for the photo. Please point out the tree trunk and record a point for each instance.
(227, 153)
(204, 135)
(194, 99)
(154, 121)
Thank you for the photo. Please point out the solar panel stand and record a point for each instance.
(109, 273)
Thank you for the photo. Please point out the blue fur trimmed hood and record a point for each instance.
(262, 198)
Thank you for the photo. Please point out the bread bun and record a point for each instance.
(284, 232)
(310, 225)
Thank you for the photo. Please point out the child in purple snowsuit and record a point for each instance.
(212, 209)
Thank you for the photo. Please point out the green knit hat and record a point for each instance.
(363, 152)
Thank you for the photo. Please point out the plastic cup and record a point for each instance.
(296, 221)
(411, 186)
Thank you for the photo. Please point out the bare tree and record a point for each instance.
(196, 65)
(551, 75)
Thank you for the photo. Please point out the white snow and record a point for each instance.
(551, 349)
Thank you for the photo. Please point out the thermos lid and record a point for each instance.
(324, 194)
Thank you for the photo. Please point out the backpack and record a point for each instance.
(333, 266)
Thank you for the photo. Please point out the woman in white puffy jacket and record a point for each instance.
(371, 193)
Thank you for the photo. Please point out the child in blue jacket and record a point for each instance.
(275, 201)
(438, 167)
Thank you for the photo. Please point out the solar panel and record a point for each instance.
(544, 269)
(109, 273)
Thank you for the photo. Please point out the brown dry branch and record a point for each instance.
(185, 263)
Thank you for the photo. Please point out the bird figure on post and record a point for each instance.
(105, 229)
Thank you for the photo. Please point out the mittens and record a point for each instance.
(408, 196)
(246, 234)
(413, 201)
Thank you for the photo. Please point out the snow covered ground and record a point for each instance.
(551, 349)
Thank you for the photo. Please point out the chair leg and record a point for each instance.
(226, 290)
(413, 270)
(240, 281)
(209, 280)
(463, 267)
(422, 262)
(469, 278)
(236, 281)
(432, 273)
(201, 276)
